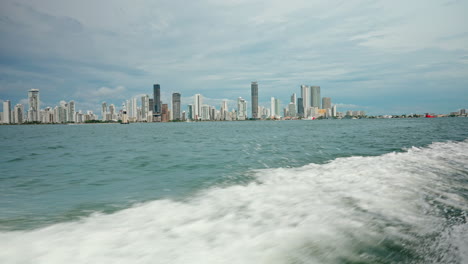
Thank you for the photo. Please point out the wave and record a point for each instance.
(408, 207)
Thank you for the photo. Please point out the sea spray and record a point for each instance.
(406, 207)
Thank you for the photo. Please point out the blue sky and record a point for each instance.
(379, 56)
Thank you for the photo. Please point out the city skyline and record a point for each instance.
(377, 56)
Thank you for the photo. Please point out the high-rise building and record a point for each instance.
(300, 107)
(71, 111)
(34, 105)
(326, 103)
(277, 106)
(293, 98)
(164, 113)
(18, 114)
(197, 106)
(7, 112)
(292, 109)
(334, 111)
(145, 107)
(315, 96)
(104, 111)
(272, 107)
(205, 113)
(112, 113)
(254, 92)
(190, 112)
(305, 95)
(224, 110)
(157, 99)
(176, 106)
(241, 109)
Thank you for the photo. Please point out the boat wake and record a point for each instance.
(408, 207)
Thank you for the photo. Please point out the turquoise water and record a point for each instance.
(328, 191)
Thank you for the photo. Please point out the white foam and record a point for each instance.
(313, 214)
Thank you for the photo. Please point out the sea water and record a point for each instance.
(324, 191)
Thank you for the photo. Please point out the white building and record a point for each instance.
(197, 107)
(7, 112)
(34, 105)
(241, 109)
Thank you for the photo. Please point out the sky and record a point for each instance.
(382, 57)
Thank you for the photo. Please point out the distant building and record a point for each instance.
(190, 112)
(224, 110)
(34, 105)
(7, 112)
(18, 114)
(145, 108)
(315, 96)
(254, 92)
(205, 113)
(157, 99)
(176, 106)
(71, 111)
(164, 113)
(104, 111)
(334, 113)
(277, 107)
(272, 107)
(292, 109)
(326, 103)
(197, 106)
(300, 107)
(241, 109)
(305, 95)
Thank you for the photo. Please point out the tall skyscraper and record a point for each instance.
(241, 109)
(254, 92)
(326, 103)
(176, 106)
(315, 96)
(305, 94)
(190, 112)
(277, 106)
(104, 111)
(18, 114)
(300, 107)
(272, 107)
(157, 99)
(71, 111)
(144, 107)
(224, 110)
(34, 105)
(293, 98)
(112, 113)
(7, 112)
(197, 106)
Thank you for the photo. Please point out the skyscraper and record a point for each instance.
(197, 106)
(277, 107)
(176, 106)
(144, 107)
(254, 92)
(34, 104)
(326, 103)
(71, 111)
(18, 114)
(315, 96)
(272, 107)
(190, 112)
(104, 111)
(151, 105)
(300, 107)
(7, 112)
(224, 110)
(305, 94)
(112, 114)
(293, 98)
(157, 99)
(241, 109)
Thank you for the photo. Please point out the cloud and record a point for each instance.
(216, 48)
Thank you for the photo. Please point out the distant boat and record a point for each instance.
(430, 116)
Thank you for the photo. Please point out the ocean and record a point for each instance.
(323, 191)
